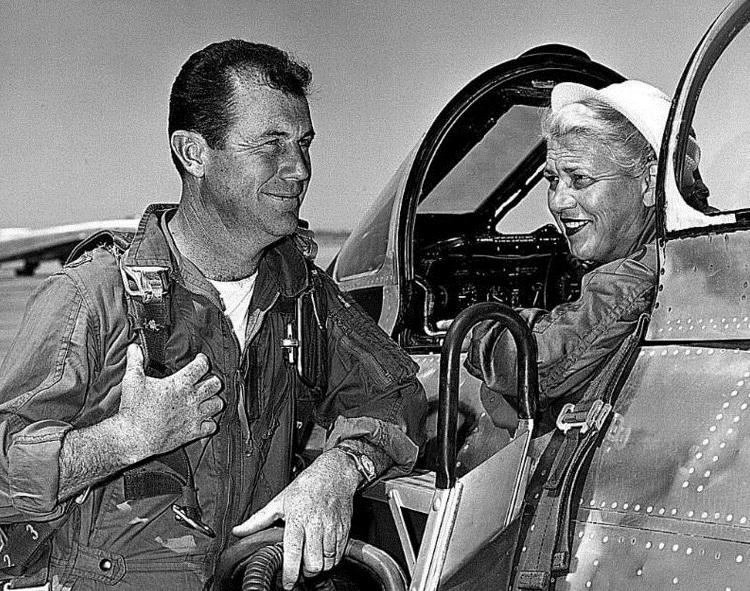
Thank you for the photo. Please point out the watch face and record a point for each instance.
(364, 464)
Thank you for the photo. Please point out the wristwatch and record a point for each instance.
(365, 466)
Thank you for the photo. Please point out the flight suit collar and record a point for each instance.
(282, 269)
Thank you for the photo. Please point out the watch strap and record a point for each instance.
(364, 464)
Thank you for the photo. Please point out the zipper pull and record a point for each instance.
(191, 518)
(290, 344)
(239, 388)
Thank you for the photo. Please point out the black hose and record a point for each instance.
(261, 569)
(259, 558)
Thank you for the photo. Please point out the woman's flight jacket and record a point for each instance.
(574, 340)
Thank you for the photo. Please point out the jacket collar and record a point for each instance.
(282, 269)
(149, 247)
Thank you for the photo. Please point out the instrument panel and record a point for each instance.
(522, 271)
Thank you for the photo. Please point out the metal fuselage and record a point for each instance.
(665, 503)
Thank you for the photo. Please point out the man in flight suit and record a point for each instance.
(84, 429)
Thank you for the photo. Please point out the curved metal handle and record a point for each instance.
(449, 371)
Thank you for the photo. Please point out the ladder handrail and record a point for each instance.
(527, 378)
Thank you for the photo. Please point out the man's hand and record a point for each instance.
(163, 414)
(155, 416)
(317, 510)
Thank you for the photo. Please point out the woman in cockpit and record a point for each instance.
(602, 148)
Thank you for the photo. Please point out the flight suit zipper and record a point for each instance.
(231, 487)
(238, 441)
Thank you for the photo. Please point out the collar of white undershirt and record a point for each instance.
(236, 296)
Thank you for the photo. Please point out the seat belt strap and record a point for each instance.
(546, 554)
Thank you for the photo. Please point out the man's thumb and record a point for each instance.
(134, 364)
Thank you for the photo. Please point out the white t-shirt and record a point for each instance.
(236, 296)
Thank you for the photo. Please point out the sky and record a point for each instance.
(85, 85)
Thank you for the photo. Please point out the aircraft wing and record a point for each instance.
(55, 243)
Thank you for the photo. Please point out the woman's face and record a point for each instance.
(598, 208)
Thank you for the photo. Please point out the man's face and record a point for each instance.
(257, 182)
(598, 208)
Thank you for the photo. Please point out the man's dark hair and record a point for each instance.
(202, 97)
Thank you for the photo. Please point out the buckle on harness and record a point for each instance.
(570, 418)
(147, 283)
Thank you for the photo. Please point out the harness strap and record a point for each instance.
(562, 461)
(155, 334)
(148, 297)
(148, 300)
(546, 554)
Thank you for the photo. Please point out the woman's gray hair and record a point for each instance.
(626, 146)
